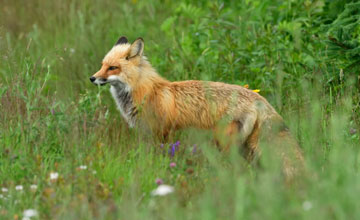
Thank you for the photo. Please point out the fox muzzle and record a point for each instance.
(98, 81)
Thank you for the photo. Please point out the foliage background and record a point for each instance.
(303, 55)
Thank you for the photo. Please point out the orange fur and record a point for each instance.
(168, 106)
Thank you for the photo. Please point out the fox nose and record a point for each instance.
(92, 79)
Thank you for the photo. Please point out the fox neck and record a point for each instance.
(129, 99)
(149, 81)
(122, 95)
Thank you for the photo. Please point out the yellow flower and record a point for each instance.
(246, 86)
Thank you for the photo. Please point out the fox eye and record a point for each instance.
(112, 67)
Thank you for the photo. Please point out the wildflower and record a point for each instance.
(83, 167)
(161, 146)
(94, 172)
(4, 198)
(177, 144)
(54, 176)
(19, 187)
(307, 205)
(28, 213)
(162, 190)
(194, 149)
(159, 181)
(172, 150)
(33, 187)
(172, 164)
(3, 189)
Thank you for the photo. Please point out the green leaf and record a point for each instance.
(166, 26)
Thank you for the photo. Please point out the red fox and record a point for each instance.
(141, 93)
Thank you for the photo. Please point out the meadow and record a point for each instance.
(66, 152)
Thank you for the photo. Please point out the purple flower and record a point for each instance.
(161, 145)
(172, 150)
(159, 181)
(177, 144)
(172, 164)
(52, 111)
(194, 149)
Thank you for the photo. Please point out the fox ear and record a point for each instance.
(122, 40)
(136, 48)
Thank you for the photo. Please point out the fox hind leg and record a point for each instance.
(238, 132)
(250, 147)
(225, 136)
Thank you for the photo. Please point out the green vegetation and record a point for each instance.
(303, 55)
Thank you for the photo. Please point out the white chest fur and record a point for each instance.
(123, 98)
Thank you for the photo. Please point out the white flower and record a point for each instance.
(33, 187)
(162, 190)
(3, 197)
(19, 187)
(28, 213)
(83, 167)
(307, 205)
(72, 50)
(54, 176)
(94, 172)
(3, 189)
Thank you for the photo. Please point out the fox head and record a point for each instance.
(122, 64)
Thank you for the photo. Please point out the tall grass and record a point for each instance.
(53, 120)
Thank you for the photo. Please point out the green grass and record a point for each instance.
(53, 119)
